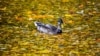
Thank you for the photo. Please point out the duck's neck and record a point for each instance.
(59, 26)
(59, 30)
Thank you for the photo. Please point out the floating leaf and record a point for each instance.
(65, 0)
(43, 51)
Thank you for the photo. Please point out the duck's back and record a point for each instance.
(53, 28)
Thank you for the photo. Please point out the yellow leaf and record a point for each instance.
(3, 8)
(68, 15)
(76, 53)
(29, 12)
(65, 0)
(44, 51)
(62, 26)
(23, 43)
(50, 16)
(28, 54)
(70, 21)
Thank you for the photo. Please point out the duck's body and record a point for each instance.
(49, 29)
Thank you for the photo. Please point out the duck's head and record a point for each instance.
(60, 21)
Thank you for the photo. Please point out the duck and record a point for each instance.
(48, 28)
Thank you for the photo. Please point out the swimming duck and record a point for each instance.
(48, 28)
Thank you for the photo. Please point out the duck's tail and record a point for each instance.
(38, 23)
(35, 23)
